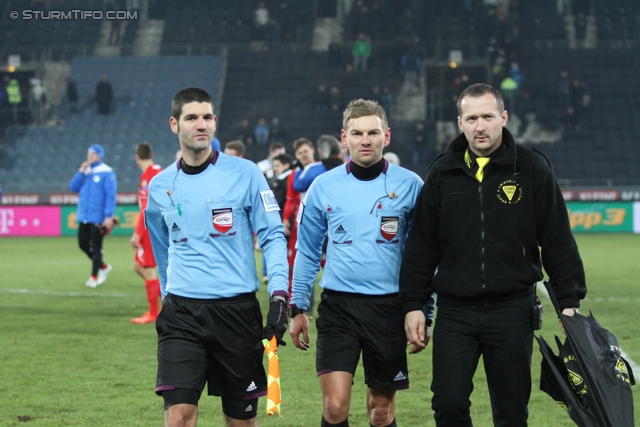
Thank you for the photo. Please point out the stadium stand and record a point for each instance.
(275, 73)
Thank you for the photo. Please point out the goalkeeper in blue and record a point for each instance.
(364, 208)
(201, 215)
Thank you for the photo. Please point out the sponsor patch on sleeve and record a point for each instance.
(300, 213)
(269, 201)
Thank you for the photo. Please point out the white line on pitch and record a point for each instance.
(70, 294)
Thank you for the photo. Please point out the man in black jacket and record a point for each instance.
(486, 207)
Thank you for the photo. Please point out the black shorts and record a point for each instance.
(374, 325)
(214, 341)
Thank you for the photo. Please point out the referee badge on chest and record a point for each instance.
(222, 219)
(389, 227)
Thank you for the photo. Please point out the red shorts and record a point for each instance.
(144, 253)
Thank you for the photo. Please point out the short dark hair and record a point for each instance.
(185, 96)
(360, 108)
(285, 159)
(300, 142)
(236, 145)
(144, 150)
(476, 91)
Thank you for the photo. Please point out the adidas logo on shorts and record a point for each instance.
(252, 386)
(249, 408)
(400, 376)
(175, 227)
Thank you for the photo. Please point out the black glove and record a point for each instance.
(277, 318)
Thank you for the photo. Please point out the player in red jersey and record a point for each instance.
(145, 263)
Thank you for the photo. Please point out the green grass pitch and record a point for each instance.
(69, 355)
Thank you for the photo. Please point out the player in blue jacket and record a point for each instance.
(201, 215)
(97, 186)
(364, 207)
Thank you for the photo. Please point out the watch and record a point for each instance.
(293, 311)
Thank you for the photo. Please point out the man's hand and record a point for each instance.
(417, 332)
(108, 223)
(300, 325)
(135, 240)
(84, 166)
(567, 312)
(277, 318)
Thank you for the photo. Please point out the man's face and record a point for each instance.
(482, 123)
(92, 157)
(366, 139)
(279, 167)
(196, 126)
(304, 154)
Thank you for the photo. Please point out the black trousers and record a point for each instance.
(501, 332)
(90, 241)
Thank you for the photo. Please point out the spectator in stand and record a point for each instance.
(260, 21)
(375, 94)
(234, 148)
(349, 76)
(570, 123)
(419, 140)
(321, 98)
(516, 74)
(335, 99)
(277, 132)
(411, 64)
(361, 52)
(577, 91)
(583, 112)
(144, 261)
(104, 95)
(261, 131)
(245, 132)
(335, 54)
(72, 96)
(37, 101)
(266, 165)
(388, 101)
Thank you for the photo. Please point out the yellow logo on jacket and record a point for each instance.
(509, 192)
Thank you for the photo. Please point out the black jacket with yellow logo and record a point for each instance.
(484, 237)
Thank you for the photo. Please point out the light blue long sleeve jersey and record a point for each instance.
(202, 225)
(366, 223)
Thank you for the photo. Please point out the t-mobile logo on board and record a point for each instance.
(6, 220)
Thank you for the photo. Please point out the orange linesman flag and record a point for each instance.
(273, 376)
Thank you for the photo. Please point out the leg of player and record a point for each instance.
(381, 407)
(152, 286)
(181, 415)
(231, 422)
(336, 397)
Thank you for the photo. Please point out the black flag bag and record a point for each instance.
(591, 364)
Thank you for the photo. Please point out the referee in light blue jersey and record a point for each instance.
(364, 207)
(201, 215)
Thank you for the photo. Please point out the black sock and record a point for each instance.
(393, 424)
(325, 423)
